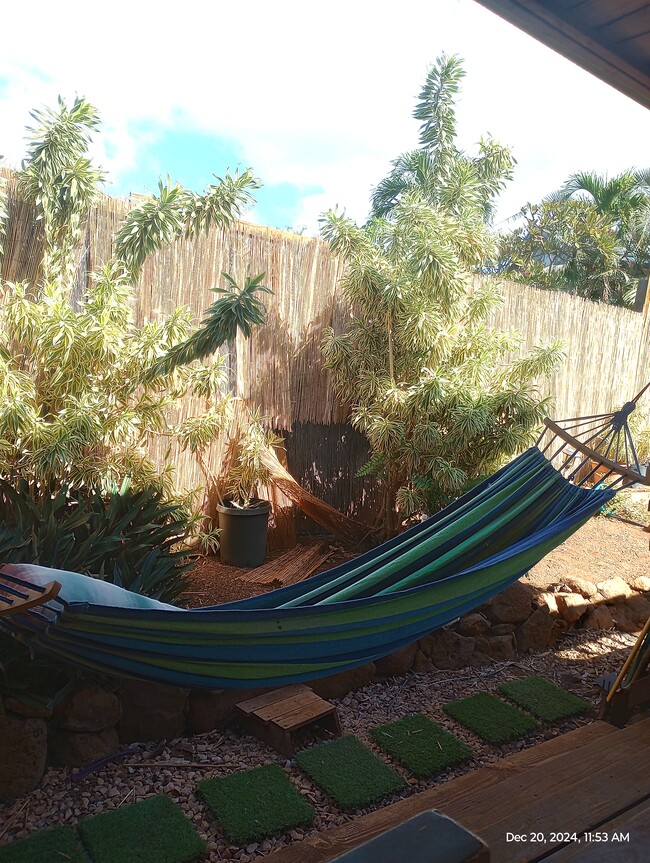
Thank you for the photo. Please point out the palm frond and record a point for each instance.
(236, 310)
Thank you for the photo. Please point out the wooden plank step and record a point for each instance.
(273, 716)
(253, 704)
(275, 711)
(304, 715)
(325, 846)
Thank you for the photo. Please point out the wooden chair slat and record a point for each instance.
(14, 600)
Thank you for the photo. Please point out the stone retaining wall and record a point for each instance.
(91, 722)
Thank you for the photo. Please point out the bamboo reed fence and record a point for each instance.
(279, 369)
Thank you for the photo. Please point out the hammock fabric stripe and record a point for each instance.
(336, 620)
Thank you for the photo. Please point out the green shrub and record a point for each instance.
(84, 390)
(438, 393)
(127, 537)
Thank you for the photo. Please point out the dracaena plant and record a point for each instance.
(83, 389)
(425, 378)
(249, 469)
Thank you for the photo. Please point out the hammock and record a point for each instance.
(333, 621)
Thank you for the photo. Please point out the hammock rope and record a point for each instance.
(597, 448)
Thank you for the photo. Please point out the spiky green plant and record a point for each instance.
(439, 172)
(248, 469)
(427, 381)
(126, 537)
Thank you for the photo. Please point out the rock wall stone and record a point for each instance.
(80, 748)
(92, 707)
(151, 711)
(23, 753)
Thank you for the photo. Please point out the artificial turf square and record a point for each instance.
(491, 719)
(254, 804)
(544, 699)
(349, 772)
(421, 745)
(151, 831)
(58, 843)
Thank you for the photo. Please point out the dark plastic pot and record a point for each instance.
(243, 533)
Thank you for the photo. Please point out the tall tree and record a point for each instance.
(425, 378)
(566, 245)
(625, 201)
(82, 386)
(438, 172)
(591, 237)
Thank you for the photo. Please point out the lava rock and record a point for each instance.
(79, 749)
(23, 752)
(512, 605)
(151, 711)
(90, 708)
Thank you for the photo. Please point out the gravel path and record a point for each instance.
(174, 769)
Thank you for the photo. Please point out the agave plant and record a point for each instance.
(127, 537)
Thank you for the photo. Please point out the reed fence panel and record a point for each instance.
(279, 369)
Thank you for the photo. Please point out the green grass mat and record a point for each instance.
(421, 745)
(349, 772)
(152, 831)
(48, 846)
(490, 718)
(544, 699)
(254, 804)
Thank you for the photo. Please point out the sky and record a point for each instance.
(316, 99)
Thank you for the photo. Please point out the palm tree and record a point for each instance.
(625, 201)
(439, 173)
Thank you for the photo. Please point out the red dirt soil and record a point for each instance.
(603, 548)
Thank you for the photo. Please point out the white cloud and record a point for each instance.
(315, 96)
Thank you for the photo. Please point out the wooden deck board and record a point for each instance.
(635, 822)
(582, 790)
(325, 846)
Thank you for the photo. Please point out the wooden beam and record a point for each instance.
(549, 28)
(594, 455)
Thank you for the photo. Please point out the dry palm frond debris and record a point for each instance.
(294, 566)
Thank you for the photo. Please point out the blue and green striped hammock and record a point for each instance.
(333, 621)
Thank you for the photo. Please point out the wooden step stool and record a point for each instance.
(275, 715)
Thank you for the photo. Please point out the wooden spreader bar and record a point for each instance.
(629, 475)
(275, 715)
(15, 598)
